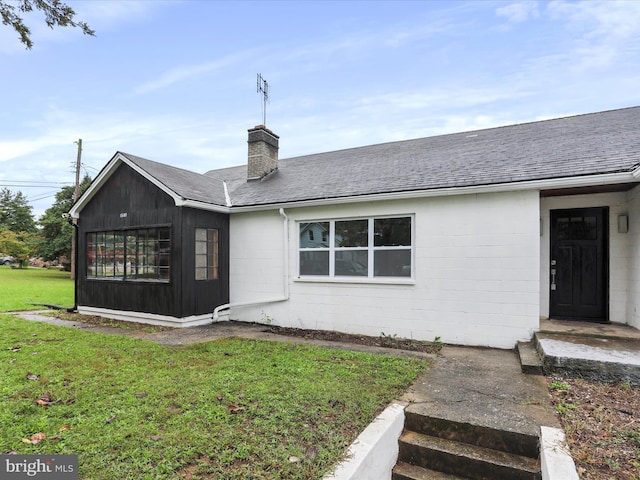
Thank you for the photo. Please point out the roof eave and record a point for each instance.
(544, 184)
(211, 207)
(104, 175)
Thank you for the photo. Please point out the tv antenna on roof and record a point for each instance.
(263, 88)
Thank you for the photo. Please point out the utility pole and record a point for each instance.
(76, 194)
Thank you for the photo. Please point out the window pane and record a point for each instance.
(351, 233)
(314, 235)
(150, 271)
(201, 273)
(91, 254)
(119, 254)
(352, 263)
(391, 232)
(206, 252)
(201, 234)
(314, 263)
(131, 245)
(201, 248)
(576, 228)
(163, 273)
(164, 261)
(584, 228)
(392, 263)
(201, 261)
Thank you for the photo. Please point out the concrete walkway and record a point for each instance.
(484, 387)
(214, 331)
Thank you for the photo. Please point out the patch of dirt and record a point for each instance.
(386, 341)
(602, 425)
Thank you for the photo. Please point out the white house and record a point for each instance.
(471, 237)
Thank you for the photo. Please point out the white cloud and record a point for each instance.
(604, 31)
(176, 75)
(519, 12)
(451, 98)
(605, 19)
(187, 72)
(101, 14)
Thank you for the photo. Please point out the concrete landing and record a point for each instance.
(601, 352)
(589, 329)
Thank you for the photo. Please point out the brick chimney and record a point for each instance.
(263, 152)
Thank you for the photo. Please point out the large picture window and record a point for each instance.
(206, 254)
(137, 254)
(368, 247)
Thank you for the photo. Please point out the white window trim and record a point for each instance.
(371, 249)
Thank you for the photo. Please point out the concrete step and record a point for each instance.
(509, 441)
(602, 359)
(471, 461)
(406, 471)
(530, 361)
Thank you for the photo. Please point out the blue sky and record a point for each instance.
(175, 81)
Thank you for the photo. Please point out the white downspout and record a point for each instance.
(285, 296)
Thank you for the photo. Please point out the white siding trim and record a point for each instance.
(150, 318)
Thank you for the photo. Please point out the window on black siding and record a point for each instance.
(136, 254)
(206, 254)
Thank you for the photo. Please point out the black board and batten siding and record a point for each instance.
(128, 201)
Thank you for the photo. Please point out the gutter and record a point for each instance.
(515, 186)
(227, 306)
(76, 229)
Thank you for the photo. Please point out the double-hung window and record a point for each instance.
(363, 247)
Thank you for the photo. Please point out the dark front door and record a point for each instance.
(579, 261)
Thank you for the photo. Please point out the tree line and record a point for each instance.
(48, 238)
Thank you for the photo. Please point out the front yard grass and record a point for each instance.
(227, 409)
(20, 287)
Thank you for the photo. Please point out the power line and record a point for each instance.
(90, 167)
(38, 181)
(35, 185)
(43, 196)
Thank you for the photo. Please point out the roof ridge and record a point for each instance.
(442, 135)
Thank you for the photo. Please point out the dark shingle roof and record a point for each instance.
(592, 144)
(186, 184)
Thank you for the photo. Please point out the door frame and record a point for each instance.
(605, 281)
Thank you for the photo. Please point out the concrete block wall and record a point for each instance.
(476, 272)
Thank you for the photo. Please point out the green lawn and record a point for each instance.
(227, 409)
(19, 287)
